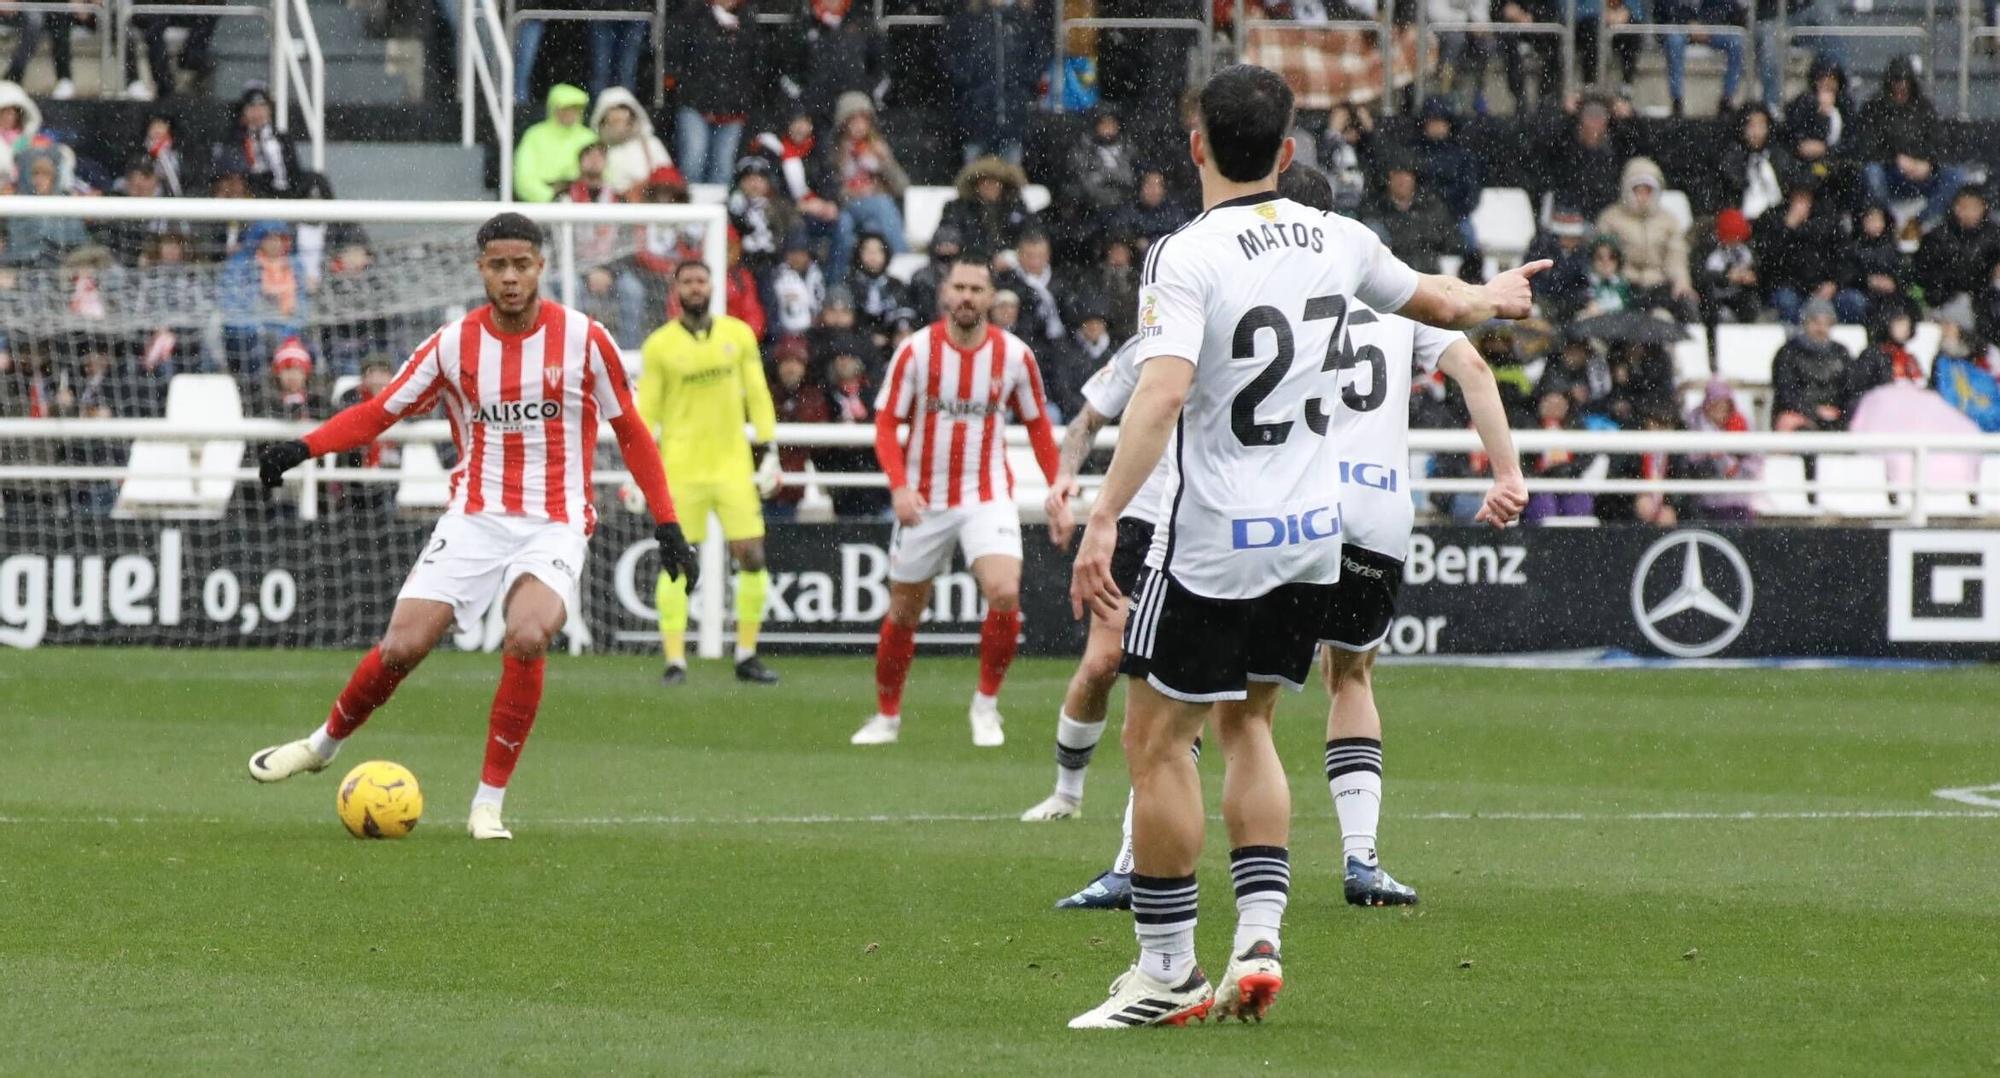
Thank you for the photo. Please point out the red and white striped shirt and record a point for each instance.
(523, 409)
(956, 403)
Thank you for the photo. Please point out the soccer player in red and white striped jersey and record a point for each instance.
(524, 381)
(954, 383)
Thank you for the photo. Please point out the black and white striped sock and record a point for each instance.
(1076, 743)
(1263, 878)
(1163, 917)
(1354, 776)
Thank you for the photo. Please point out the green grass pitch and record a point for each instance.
(711, 881)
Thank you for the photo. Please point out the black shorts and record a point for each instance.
(1201, 650)
(1128, 559)
(1363, 602)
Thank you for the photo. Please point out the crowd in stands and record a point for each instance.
(1836, 206)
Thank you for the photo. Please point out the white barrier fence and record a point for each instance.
(1907, 478)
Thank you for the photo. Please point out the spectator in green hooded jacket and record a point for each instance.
(546, 159)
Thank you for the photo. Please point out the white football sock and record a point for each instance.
(1263, 879)
(1357, 800)
(984, 703)
(324, 744)
(1166, 942)
(1122, 864)
(490, 795)
(1075, 742)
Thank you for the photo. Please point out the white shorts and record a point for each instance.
(470, 561)
(923, 553)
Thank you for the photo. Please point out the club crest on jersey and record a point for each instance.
(1149, 316)
(552, 377)
(1319, 523)
(517, 415)
(1267, 211)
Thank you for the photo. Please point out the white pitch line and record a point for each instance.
(817, 819)
(1971, 795)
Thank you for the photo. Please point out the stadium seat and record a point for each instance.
(1924, 344)
(209, 468)
(1743, 353)
(1691, 359)
(1036, 197)
(1989, 485)
(1787, 471)
(905, 266)
(923, 209)
(1504, 222)
(423, 485)
(341, 385)
(1866, 479)
(710, 194)
(1851, 337)
(1677, 206)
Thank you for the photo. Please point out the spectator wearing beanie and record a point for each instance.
(868, 180)
(1565, 241)
(1412, 221)
(273, 160)
(1728, 272)
(762, 215)
(288, 392)
(1446, 168)
(1887, 358)
(1810, 375)
(1654, 243)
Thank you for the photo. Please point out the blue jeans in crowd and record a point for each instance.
(707, 150)
(1676, 46)
(878, 214)
(1850, 305)
(525, 48)
(1887, 185)
(614, 55)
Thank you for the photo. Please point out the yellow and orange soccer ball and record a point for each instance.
(379, 799)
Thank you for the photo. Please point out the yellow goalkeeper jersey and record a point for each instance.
(697, 392)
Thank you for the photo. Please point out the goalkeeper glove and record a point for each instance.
(676, 556)
(768, 480)
(274, 460)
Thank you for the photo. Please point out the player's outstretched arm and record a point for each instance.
(351, 428)
(1508, 496)
(1077, 440)
(1142, 438)
(1450, 303)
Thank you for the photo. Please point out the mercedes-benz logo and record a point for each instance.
(1699, 614)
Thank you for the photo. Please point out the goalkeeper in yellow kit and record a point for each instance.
(702, 381)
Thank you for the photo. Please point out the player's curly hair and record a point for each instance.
(508, 226)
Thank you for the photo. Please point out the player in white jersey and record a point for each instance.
(954, 382)
(1243, 341)
(1081, 723)
(1371, 439)
(523, 381)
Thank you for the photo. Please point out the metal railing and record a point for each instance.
(1785, 33)
(1745, 34)
(1566, 39)
(293, 34)
(1968, 34)
(110, 74)
(656, 33)
(491, 77)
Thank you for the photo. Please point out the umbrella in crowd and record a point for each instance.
(1629, 327)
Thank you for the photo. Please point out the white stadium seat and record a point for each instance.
(1036, 197)
(905, 266)
(1691, 359)
(1851, 337)
(708, 194)
(209, 468)
(1677, 206)
(1504, 222)
(423, 485)
(1989, 484)
(923, 209)
(1924, 344)
(1743, 354)
(1789, 471)
(342, 384)
(1868, 478)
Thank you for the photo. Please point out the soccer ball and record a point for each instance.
(379, 799)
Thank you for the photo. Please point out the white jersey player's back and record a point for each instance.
(1371, 431)
(1257, 293)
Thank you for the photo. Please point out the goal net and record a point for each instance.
(149, 346)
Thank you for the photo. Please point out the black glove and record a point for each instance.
(676, 556)
(274, 460)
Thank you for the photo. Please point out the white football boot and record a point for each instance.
(484, 822)
(1138, 1000)
(880, 730)
(1251, 983)
(986, 725)
(1055, 807)
(280, 762)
